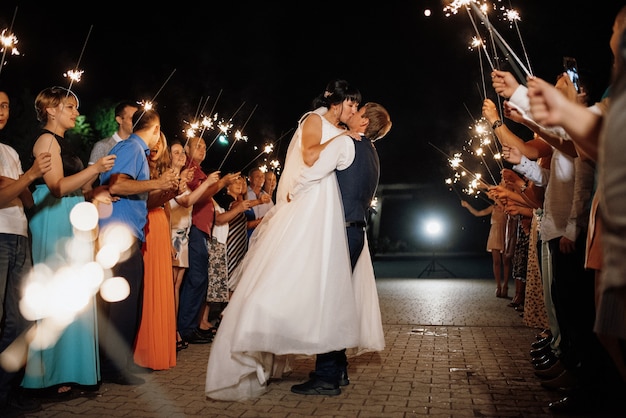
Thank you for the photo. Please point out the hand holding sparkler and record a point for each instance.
(168, 181)
(105, 163)
(213, 178)
(504, 83)
(547, 104)
(490, 112)
(230, 178)
(512, 154)
(513, 113)
(185, 177)
(41, 165)
(512, 180)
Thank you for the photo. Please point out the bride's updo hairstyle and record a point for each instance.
(335, 93)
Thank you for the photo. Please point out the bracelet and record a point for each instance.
(496, 124)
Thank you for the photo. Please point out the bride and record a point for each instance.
(294, 290)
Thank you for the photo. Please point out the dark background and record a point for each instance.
(261, 64)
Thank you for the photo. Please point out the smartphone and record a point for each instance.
(571, 68)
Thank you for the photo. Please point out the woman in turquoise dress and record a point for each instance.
(64, 350)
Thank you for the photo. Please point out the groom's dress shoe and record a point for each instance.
(316, 387)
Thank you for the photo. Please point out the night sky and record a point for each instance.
(261, 64)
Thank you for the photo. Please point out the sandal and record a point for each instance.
(55, 393)
(181, 345)
(207, 332)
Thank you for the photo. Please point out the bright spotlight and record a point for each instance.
(433, 228)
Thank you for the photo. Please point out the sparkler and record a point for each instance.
(456, 161)
(482, 44)
(207, 123)
(268, 149)
(504, 46)
(8, 40)
(451, 184)
(76, 74)
(484, 135)
(481, 154)
(224, 127)
(516, 63)
(513, 15)
(148, 105)
(238, 136)
(476, 42)
(73, 75)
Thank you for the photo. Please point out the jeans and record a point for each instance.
(15, 264)
(193, 290)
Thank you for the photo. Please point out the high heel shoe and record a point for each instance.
(505, 292)
(498, 292)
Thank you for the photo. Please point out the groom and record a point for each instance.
(357, 184)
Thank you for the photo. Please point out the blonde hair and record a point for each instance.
(163, 161)
(379, 121)
(51, 97)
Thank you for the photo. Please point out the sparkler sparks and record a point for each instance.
(238, 137)
(74, 75)
(268, 149)
(8, 40)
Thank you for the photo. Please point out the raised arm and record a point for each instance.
(60, 185)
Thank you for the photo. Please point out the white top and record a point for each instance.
(12, 217)
(101, 148)
(569, 187)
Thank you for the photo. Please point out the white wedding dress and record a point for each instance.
(294, 289)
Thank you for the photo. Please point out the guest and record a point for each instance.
(129, 180)
(234, 207)
(225, 253)
(269, 186)
(580, 361)
(256, 180)
(495, 244)
(73, 358)
(588, 128)
(15, 261)
(124, 118)
(181, 210)
(155, 345)
(568, 184)
(180, 223)
(528, 195)
(195, 283)
(517, 207)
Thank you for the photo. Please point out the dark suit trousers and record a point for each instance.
(118, 322)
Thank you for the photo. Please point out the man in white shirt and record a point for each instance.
(124, 117)
(15, 259)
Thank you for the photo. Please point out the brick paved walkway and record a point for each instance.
(453, 350)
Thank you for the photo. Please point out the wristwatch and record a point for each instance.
(496, 124)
